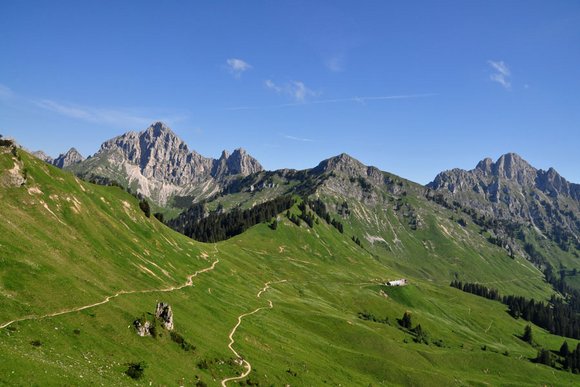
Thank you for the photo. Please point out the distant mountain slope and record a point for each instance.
(512, 189)
(529, 210)
(159, 165)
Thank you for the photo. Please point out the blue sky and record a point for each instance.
(413, 87)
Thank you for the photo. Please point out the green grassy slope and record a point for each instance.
(65, 242)
(320, 281)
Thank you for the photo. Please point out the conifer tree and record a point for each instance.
(528, 337)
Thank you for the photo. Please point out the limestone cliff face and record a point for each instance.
(159, 165)
(159, 155)
(512, 189)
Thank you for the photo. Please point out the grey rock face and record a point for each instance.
(349, 166)
(143, 328)
(513, 190)
(510, 171)
(164, 313)
(159, 165)
(67, 159)
(348, 177)
(64, 160)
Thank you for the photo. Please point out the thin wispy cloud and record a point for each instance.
(110, 116)
(237, 67)
(358, 100)
(501, 74)
(294, 138)
(297, 90)
(120, 117)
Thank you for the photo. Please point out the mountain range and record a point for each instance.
(280, 277)
(158, 165)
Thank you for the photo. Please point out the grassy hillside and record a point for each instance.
(65, 244)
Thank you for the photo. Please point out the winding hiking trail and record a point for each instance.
(187, 283)
(246, 363)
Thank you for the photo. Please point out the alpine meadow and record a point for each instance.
(288, 259)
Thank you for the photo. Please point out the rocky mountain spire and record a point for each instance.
(240, 162)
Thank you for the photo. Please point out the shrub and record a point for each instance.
(36, 343)
(135, 370)
(406, 321)
(202, 364)
(144, 206)
(177, 338)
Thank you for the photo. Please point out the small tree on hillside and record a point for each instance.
(527, 336)
(406, 322)
(544, 357)
(564, 350)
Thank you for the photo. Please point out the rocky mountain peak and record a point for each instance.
(485, 165)
(158, 164)
(225, 154)
(511, 166)
(159, 128)
(160, 133)
(341, 163)
(71, 157)
(347, 165)
(240, 162)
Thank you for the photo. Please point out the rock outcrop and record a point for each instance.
(164, 313)
(163, 316)
(15, 176)
(143, 327)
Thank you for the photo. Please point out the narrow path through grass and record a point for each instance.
(188, 283)
(246, 363)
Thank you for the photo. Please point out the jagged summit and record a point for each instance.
(510, 171)
(513, 190)
(158, 164)
(510, 166)
(159, 128)
(71, 157)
